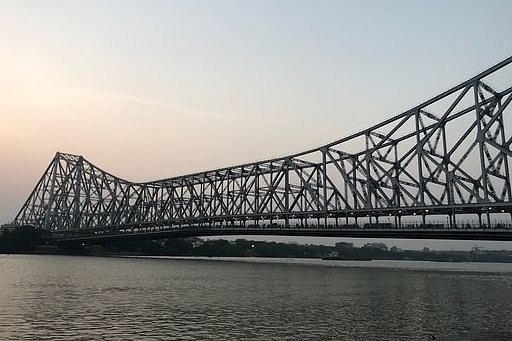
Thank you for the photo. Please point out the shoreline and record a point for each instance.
(376, 264)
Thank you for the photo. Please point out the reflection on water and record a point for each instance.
(83, 298)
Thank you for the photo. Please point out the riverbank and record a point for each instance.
(29, 241)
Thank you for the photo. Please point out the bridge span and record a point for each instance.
(439, 171)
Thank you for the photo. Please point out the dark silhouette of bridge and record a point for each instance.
(419, 174)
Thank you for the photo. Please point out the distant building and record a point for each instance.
(6, 228)
(195, 241)
(344, 245)
(379, 246)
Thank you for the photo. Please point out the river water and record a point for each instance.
(102, 298)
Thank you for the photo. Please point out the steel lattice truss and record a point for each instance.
(448, 155)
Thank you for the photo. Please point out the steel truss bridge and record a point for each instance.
(415, 175)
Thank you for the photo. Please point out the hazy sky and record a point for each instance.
(152, 89)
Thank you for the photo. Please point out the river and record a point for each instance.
(45, 297)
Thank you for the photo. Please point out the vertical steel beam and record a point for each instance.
(481, 138)
(324, 184)
(419, 156)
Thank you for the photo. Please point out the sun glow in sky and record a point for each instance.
(152, 89)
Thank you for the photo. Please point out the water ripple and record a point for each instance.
(89, 298)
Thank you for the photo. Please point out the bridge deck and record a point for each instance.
(497, 234)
